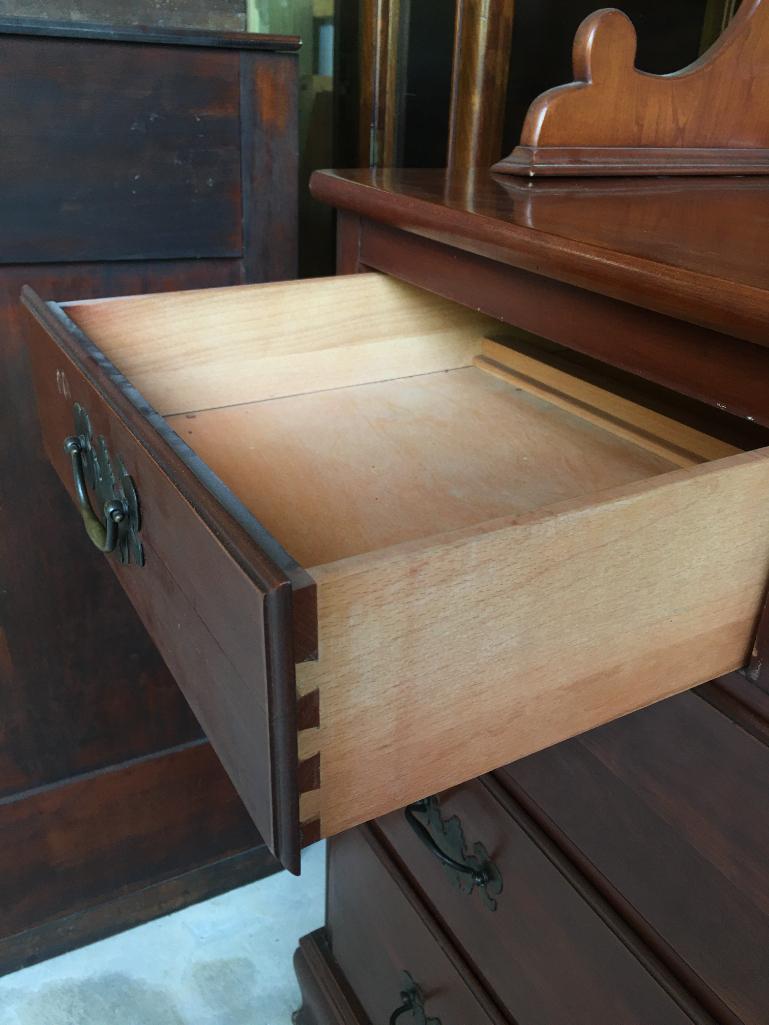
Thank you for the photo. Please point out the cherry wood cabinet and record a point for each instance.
(620, 875)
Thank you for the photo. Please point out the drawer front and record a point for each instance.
(381, 938)
(539, 945)
(667, 810)
(208, 591)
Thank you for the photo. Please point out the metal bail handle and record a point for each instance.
(468, 868)
(479, 875)
(406, 1006)
(413, 1002)
(104, 536)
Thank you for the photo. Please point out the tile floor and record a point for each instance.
(226, 961)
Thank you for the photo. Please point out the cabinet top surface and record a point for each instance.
(128, 33)
(697, 249)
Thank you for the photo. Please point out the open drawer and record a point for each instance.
(380, 554)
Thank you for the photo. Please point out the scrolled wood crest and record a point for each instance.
(708, 118)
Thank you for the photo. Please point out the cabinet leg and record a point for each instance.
(326, 999)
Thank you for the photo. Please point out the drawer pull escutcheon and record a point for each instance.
(92, 467)
(413, 1002)
(466, 871)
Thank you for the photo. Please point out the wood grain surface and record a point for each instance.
(204, 349)
(616, 414)
(572, 966)
(615, 119)
(608, 603)
(671, 268)
(663, 811)
(347, 471)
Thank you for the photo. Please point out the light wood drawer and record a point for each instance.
(382, 555)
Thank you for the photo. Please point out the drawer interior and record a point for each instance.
(351, 470)
(504, 555)
(395, 420)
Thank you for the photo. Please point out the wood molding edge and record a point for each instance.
(325, 1000)
(105, 919)
(574, 161)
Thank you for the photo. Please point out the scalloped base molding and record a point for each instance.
(325, 998)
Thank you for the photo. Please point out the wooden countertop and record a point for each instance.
(694, 248)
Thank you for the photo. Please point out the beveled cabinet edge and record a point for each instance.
(290, 599)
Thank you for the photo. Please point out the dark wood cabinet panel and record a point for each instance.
(83, 692)
(109, 827)
(665, 810)
(147, 151)
(229, 15)
(126, 845)
(270, 165)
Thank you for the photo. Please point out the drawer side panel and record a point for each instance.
(220, 619)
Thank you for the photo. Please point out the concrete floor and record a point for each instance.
(226, 961)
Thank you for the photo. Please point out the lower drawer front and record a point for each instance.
(379, 932)
(543, 950)
(667, 810)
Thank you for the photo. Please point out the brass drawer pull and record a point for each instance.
(92, 467)
(413, 1002)
(466, 871)
(104, 537)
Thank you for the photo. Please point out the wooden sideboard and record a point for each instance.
(627, 875)
(134, 160)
